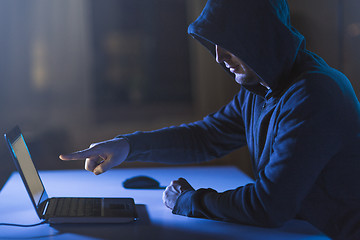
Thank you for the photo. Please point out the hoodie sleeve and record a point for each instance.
(308, 133)
(214, 136)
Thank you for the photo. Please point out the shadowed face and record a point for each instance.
(244, 75)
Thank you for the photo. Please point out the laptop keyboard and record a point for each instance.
(75, 207)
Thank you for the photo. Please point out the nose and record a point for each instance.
(221, 54)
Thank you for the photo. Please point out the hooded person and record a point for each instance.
(300, 121)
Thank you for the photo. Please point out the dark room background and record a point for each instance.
(77, 72)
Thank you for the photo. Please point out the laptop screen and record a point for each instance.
(23, 158)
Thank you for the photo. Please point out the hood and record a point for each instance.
(256, 31)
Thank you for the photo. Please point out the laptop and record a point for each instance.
(64, 209)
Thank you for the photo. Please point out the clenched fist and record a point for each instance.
(174, 190)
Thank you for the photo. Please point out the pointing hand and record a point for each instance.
(101, 156)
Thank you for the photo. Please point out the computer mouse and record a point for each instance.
(141, 182)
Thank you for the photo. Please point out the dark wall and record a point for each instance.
(61, 117)
(332, 30)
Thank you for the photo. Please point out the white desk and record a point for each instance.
(156, 221)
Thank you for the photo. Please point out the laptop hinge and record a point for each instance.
(43, 207)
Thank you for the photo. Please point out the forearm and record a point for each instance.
(232, 206)
(213, 137)
(181, 144)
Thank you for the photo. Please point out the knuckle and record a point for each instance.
(164, 197)
(182, 180)
(174, 182)
(100, 169)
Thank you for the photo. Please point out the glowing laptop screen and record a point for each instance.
(23, 157)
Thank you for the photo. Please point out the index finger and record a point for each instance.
(80, 155)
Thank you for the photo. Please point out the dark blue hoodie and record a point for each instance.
(303, 133)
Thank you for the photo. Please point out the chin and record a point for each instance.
(246, 79)
(240, 80)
